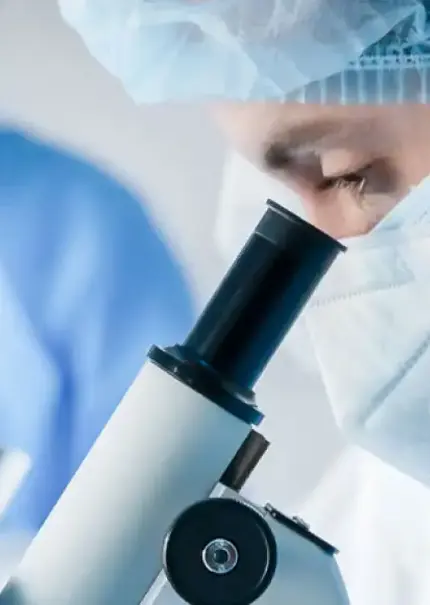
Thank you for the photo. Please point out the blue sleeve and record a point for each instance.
(99, 285)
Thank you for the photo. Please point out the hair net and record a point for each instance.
(182, 50)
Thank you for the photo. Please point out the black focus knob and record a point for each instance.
(220, 552)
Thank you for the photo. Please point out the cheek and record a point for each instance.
(339, 214)
(336, 218)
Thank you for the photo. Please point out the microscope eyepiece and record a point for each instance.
(262, 295)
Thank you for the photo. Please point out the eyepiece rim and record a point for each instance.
(293, 218)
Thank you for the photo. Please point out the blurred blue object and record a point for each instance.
(86, 286)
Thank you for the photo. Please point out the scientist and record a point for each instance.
(87, 284)
(332, 98)
(362, 171)
(376, 515)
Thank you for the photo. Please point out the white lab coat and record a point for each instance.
(378, 518)
(380, 521)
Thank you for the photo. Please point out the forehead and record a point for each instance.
(253, 127)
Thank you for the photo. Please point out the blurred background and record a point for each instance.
(51, 85)
(173, 157)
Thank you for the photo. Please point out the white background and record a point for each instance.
(173, 155)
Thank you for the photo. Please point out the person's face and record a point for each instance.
(350, 165)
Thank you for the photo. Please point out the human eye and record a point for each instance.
(354, 183)
(376, 178)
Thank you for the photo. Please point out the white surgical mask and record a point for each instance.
(369, 323)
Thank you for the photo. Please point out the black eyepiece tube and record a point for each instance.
(262, 295)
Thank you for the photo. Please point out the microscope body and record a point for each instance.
(306, 571)
(160, 489)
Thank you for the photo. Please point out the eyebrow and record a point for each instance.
(313, 136)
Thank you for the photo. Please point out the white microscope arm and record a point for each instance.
(143, 500)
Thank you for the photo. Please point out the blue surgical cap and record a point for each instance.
(322, 51)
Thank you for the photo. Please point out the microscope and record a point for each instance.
(155, 514)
